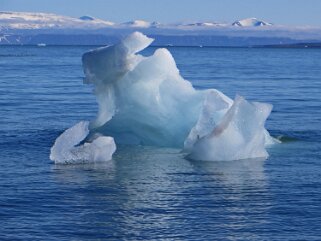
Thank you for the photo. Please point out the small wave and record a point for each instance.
(291, 136)
(17, 55)
(28, 138)
(284, 139)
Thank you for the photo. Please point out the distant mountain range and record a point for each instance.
(52, 29)
(26, 20)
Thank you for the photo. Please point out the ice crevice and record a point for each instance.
(145, 101)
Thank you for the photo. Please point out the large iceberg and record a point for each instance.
(145, 101)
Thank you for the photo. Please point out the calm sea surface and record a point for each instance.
(151, 193)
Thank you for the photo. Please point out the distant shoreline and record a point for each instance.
(298, 45)
(278, 46)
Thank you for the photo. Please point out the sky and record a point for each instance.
(285, 12)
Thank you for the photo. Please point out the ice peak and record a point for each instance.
(87, 18)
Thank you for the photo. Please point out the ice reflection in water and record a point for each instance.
(159, 192)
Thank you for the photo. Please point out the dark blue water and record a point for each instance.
(149, 193)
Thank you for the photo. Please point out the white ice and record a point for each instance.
(145, 101)
(239, 134)
(67, 148)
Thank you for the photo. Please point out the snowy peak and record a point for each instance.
(87, 18)
(251, 22)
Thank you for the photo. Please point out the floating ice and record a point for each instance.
(240, 134)
(145, 101)
(67, 149)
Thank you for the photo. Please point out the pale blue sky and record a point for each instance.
(289, 12)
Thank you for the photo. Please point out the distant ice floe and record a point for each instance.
(145, 101)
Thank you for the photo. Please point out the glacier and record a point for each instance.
(145, 101)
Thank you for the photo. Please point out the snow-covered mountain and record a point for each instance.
(87, 18)
(53, 29)
(205, 24)
(251, 22)
(25, 20)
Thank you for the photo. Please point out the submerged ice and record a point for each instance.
(145, 101)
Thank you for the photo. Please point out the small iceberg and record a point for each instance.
(145, 101)
(67, 148)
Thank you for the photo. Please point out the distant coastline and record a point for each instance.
(22, 28)
(160, 41)
(296, 45)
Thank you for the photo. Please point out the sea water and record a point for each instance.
(156, 193)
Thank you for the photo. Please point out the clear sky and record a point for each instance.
(288, 12)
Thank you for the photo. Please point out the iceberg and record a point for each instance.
(145, 101)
